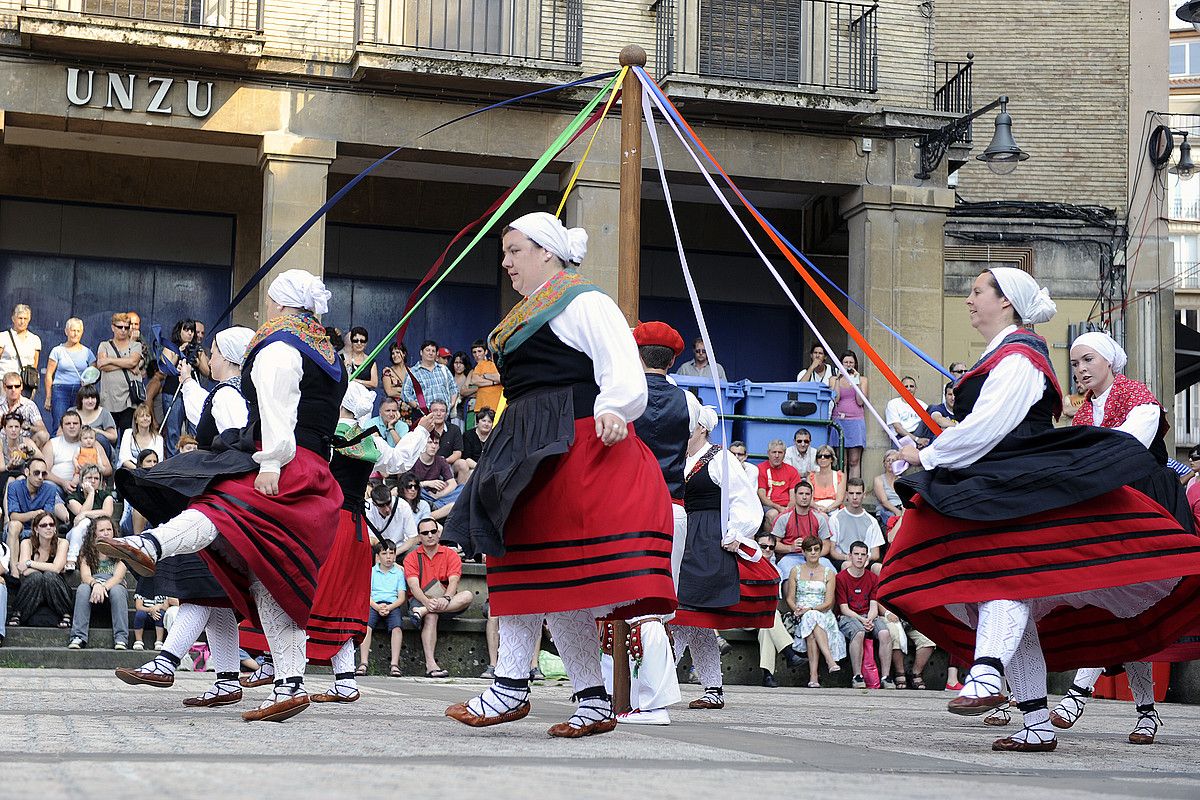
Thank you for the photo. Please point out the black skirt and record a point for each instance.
(536, 427)
(708, 574)
(189, 579)
(1036, 470)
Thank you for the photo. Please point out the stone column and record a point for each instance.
(593, 205)
(896, 271)
(295, 171)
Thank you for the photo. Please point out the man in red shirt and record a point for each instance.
(776, 484)
(432, 572)
(859, 613)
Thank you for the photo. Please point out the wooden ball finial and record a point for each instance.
(632, 56)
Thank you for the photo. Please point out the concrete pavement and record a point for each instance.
(72, 733)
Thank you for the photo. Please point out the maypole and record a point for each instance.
(629, 248)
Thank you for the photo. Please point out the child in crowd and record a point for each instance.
(89, 454)
(149, 614)
(188, 443)
(387, 602)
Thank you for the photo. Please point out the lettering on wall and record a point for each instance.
(128, 92)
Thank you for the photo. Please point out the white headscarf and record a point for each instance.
(706, 417)
(296, 288)
(569, 244)
(232, 343)
(359, 401)
(1032, 302)
(1106, 346)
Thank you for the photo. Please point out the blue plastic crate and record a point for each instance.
(779, 400)
(731, 402)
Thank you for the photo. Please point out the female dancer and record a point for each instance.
(1028, 533)
(268, 506)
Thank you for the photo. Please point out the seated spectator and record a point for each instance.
(60, 453)
(21, 348)
(40, 564)
(140, 437)
(942, 413)
(16, 447)
(28, 498)
(776, 484)
(408, 490)
(101, 580)
(859, 616)
(809, 593)
(485, 377)
(390, 426)
(188, 443)
(800, 455)
(23, 407)
(395, 373)
(91, 455)
(91, 413)
(438, 486)
(853, 524)
(387, 600)
(132, 521)
(88, 503)
(901, 417)
(450, 440)
(356, 355)
(64, 371)
(698, 367)
(148, 615)
(902, 634)
(432, 572)
(737, 449)
(829, 485)
(776, 640)
(887, 502)
(390, 519)
(794, 526)
(475, 439)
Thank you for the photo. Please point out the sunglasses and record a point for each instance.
(12, 386)
(812, 550)
(803, 441)
(958, 372)
(45, 524)
(427, 533)
(358, 341)
(121, 327)
(824, 455)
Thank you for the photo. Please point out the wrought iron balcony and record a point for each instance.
(953, 92)
(823, 44)
(236, 15)
(530, 30)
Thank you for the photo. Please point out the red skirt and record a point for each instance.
(593, 529)
(343, 597)
(1119, 539)
(282, 540)
(759, 584)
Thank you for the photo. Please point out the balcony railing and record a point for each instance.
(1187, 275)
(953, 92)
(825, 44)
(533, 30)
(242, 15)
(1185, 209)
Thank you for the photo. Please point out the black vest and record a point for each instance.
(701, 492)
(543, 361)
(352, 474)
(1041, 414)
(663, 426)
(316, 413)
(206, 428)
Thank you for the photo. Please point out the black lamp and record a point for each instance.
(1002, 154)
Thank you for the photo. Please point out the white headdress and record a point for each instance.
(569, 244)
(1106, 346)
(1032, 302)
(232, 343)
(296, 288)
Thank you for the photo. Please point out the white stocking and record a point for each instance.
(222, 635)
(1027, 677)
(578, 643)
(706, 655)
(343, 659)
(190, 532)
(286, 640)
(519, 637)
(997, 636)
(1086, 678)
(1141, 682)
(189, 624)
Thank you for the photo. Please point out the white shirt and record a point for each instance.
(804, 464)
(819, 377)
(229, 408)
(745, 512)
(276, 373)
(1141, 423)
(593, 325)
(847, 528)
(29, 345)
(898, 410)
(402, 525)
(126, 452)
(1007, 394)
(688, 369)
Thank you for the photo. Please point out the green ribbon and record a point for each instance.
(517, 191)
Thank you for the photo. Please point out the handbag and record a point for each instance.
(29, 375)
(137, 389)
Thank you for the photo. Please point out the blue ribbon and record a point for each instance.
(650, 84)
(275, 258)
(161, 346)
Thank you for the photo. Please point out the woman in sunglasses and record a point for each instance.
(356, 355)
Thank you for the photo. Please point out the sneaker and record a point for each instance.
(139, 646)
(656, 716)
(489, 673)
(158, 645)
(536, 674)
(887, 683)
(954, 687)
(120, 646)
(76, 643)
(857, 682)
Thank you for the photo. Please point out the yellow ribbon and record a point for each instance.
(579, 167)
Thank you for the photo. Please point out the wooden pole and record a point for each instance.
(629, 247)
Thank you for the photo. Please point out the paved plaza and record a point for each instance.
(79, 733)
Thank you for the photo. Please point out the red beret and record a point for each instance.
(659, 333)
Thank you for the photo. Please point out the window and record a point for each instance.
(1185, 58)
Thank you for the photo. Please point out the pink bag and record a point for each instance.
(870, 668)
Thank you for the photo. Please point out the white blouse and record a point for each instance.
(1007, 394)
(593, 325)
(745, 511)
(228, 407)
(1142, 422)
(276, 373)
(398, 459)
